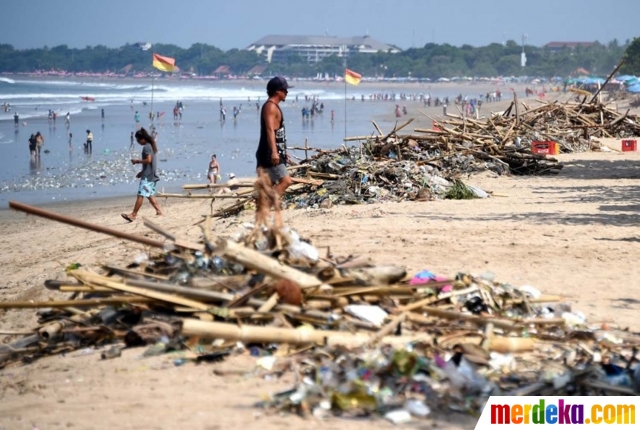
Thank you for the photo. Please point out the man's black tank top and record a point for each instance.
(263, 154)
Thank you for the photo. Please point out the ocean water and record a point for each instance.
(185, 146)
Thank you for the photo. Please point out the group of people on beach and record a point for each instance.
(236, 111)
(177, 111)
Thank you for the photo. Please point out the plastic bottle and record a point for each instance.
(417, 408)
(217, 264)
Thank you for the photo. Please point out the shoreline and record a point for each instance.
(302, 81)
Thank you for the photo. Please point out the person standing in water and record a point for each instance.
(131, 139)
(33, 144)
(214, 170)
(271, 155)
(88, 146)
(39, 142)
(148, 175)
(16, 119)
(70, 141)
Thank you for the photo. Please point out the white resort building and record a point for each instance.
(278, 49)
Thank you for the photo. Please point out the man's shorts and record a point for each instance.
(276, 173)
(146, 188)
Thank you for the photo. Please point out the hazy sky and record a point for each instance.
(237, 23)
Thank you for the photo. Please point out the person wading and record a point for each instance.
(271, 155)
(214, 170)
(148, 175)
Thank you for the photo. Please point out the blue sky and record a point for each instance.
(237, 23)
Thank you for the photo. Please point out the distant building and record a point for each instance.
(558, 46)
(278, 49)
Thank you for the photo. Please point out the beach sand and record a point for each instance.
(575, 234)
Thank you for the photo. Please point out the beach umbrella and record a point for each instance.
(625, 78)
(594, 80)
(634, 89)
(631, 82)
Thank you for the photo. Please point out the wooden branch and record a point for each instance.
(113, 300)
(254, 260)
(258, 334)
(31, 210)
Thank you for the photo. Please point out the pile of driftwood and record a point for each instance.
(362, 338)
(429, 163)
(502, 142)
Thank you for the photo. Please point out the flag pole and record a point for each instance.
(345, 107)
(152, 79)
(344, 50)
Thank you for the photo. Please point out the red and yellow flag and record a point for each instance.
(165, 64)
(352, 77)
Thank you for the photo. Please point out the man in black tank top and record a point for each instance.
(272, 148)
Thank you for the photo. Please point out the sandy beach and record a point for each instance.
(575, 234)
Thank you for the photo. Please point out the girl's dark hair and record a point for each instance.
(144, 134)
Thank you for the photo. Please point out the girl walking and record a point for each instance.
(148, 175)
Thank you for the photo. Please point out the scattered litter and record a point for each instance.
(360, 339)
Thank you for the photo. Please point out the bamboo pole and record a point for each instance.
(129, 272)
(214, 186)
(353, 138)
(102, 281)
(307, 181)
(389, 328)
(511, 344)
(376, 275)
(375, 125)
(32, 210)
(84, 289)
(214, 296)
(198, 196)
(397, 128)
(256, 261)
(113, 300)
(259, 334)
(595, 96)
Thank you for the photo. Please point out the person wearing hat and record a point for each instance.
(271, 155)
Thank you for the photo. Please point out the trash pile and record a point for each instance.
(360, 338)
(502, 142)
(430, 163)
(571, 125)
(345, 176)
(353, 176)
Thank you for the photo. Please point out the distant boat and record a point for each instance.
(88, 99)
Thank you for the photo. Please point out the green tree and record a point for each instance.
(333, 65)
(431, 60)
(632, 58)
